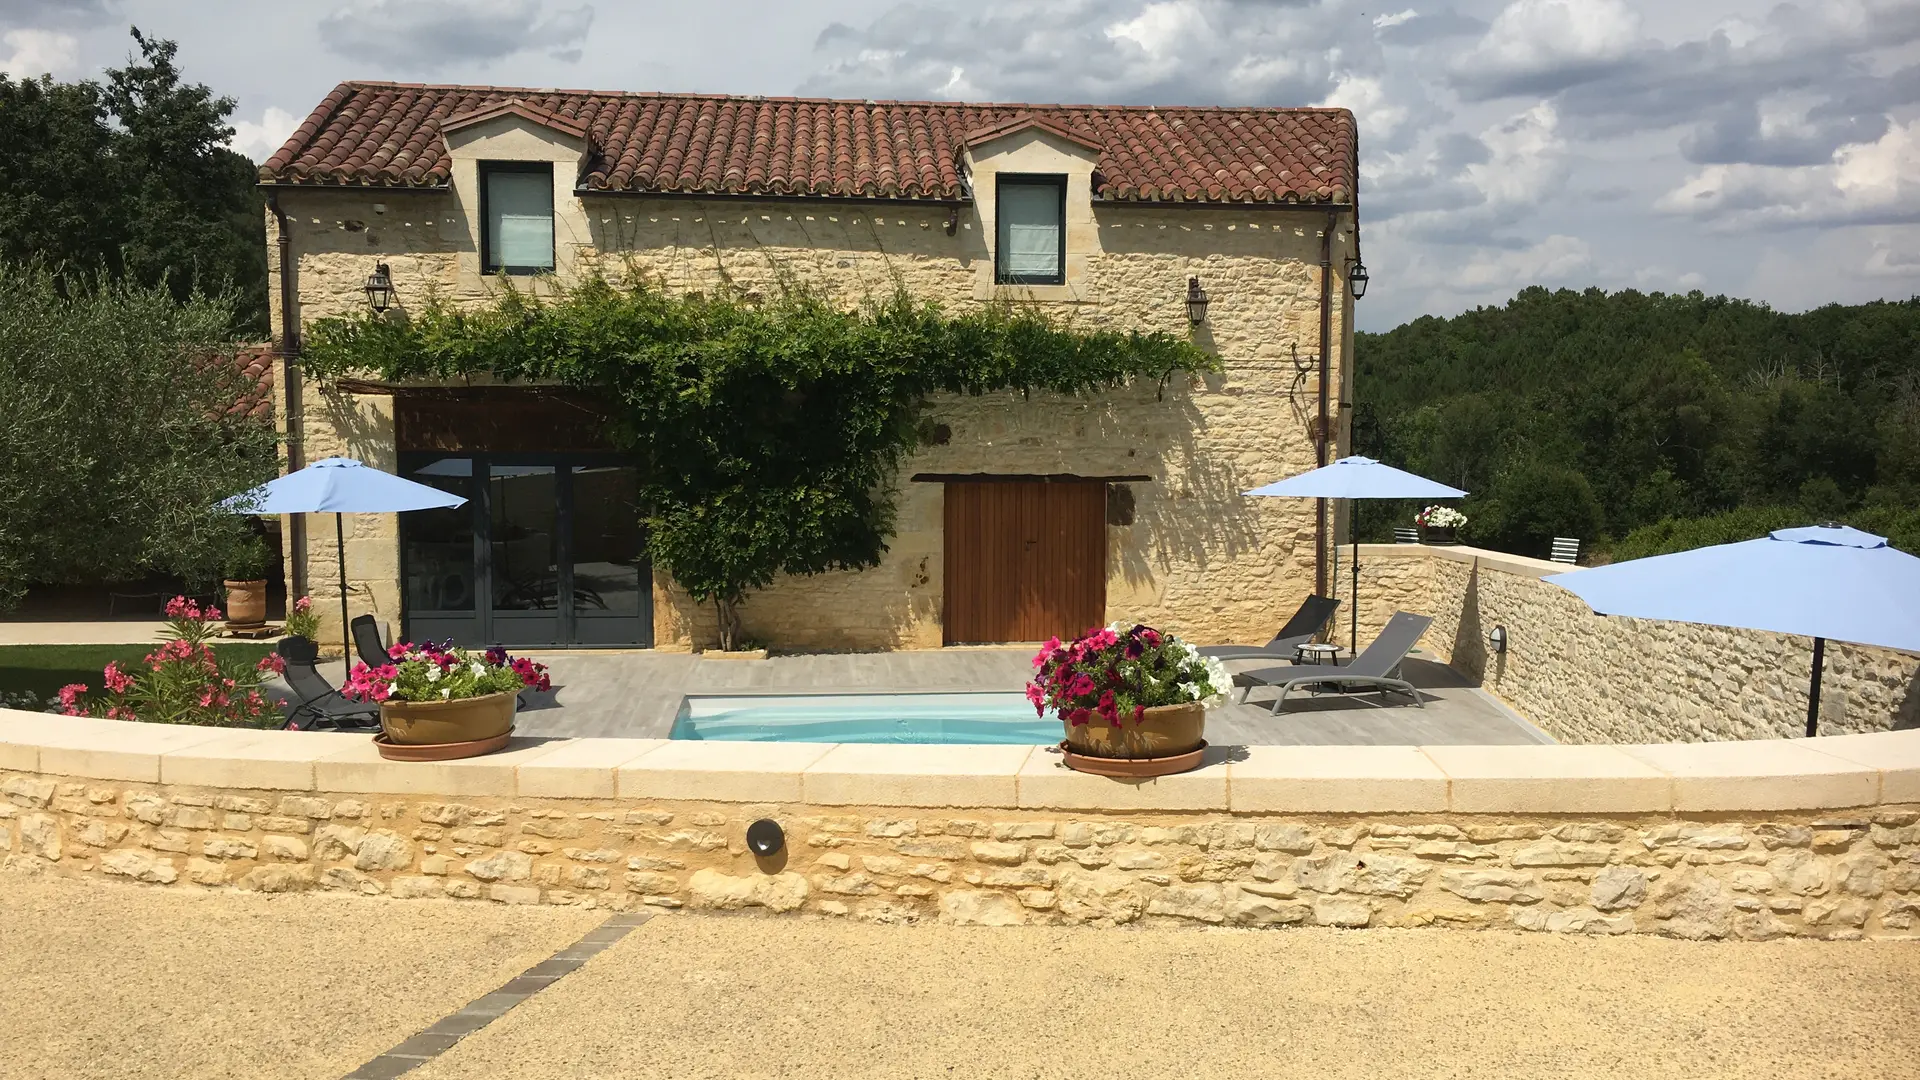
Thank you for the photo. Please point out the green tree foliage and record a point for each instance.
(767, 434)
(1607, 415)
(132, 179)
(114, 438)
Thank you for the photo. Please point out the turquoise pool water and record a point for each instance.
(866, 718)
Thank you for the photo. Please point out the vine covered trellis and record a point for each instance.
(767, 433)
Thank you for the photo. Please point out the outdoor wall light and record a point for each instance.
(764, 837)
(1497, 638)
(1197, 301)
(1357, 279)
(380, 288)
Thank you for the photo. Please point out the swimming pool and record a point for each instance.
(1003, 718)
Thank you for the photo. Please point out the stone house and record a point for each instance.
(1024, 517)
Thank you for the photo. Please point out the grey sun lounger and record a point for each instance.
(1314, 614)
(1376, 667)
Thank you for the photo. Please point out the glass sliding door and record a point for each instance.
(549, 551)
(611, 589)
(438, 552)
(523, 539)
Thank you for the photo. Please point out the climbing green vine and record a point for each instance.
(767, 432)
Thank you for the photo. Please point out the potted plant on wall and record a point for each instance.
(1439, 524)
(1133, 700)
(246, 584)
(439, 702)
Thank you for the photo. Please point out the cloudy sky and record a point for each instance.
(1763, 150)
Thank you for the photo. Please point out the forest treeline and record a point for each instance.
(1645, 422)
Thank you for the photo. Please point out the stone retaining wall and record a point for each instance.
(1587, 679)
(1813, 839)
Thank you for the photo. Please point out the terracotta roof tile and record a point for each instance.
(388, 135)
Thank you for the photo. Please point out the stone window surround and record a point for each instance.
(1058, 181)
(486, 170)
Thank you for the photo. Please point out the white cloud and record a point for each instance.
(34, 53)
(1446, 279)
(1545, 45)
(259, 139)
(1865, 182)
(1528, 159)
(1373, 106)
(426, 35)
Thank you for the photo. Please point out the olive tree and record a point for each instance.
(117, 433)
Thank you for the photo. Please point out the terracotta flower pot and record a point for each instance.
(246, 603)
(466, 720)
(1164, 733)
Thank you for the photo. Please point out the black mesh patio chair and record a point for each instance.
(317, 706)
(366, 641)
(1376, 668)
(1305, 625)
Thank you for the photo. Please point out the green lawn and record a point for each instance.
(44, 669)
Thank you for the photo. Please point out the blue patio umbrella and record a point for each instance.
(340, 486)
(1357, 478)
(1817, 581)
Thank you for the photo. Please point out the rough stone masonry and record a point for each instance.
(1835, 875)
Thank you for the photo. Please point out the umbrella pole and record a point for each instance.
(1813, 692)
(346, 635)
(1353, 594)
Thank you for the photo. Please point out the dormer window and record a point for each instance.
(1031, 217)
(516, 202)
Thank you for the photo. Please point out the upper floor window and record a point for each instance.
(516, 202)
(1031, 215)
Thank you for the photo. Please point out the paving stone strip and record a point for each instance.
(485, 1009)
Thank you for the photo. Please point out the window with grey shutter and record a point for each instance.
(516, 201)
(1030, 214)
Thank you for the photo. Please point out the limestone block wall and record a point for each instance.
(1757, 877)
(1793, 838)
(1199, 558)
(1588, 679)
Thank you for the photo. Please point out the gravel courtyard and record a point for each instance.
(103, 980)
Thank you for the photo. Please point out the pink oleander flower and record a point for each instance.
(303, 605)
(70, 699)
(116, 681)
(212, 614)
(272, 663)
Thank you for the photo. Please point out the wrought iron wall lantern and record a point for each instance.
(1197, 301)
(1357, 279)
(380, 288)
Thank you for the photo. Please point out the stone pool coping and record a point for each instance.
(1775, 775)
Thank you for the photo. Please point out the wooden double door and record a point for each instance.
(1025, 559)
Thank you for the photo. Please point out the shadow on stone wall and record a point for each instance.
(1197, 514)
(1908, 715)
(1469, 642)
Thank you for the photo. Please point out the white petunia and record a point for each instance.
(433, 673)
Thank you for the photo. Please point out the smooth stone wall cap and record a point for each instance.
(884, 774)
(111, 749)
(580, 768)
(1777, 774)
(361, 770)
(1335, 780)
(20, 733)
(243, 758)
(721, 771)
(1550, 779)
(1047, 784)
(1895, 753)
